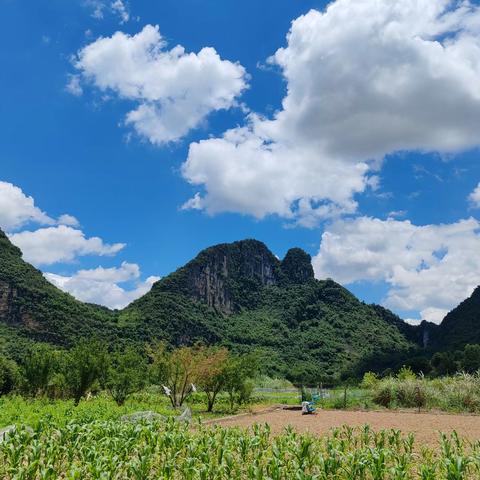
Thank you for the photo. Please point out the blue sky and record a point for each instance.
(362, 152)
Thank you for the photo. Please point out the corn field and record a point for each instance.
(114, 450)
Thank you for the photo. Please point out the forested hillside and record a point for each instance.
(461, 326)
(31, 308)
(238, 295)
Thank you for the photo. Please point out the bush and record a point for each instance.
(385, 393)
(84, 367)
(370, 381)
(9, 375)
(458, 393)
(406, 373)
(420, 395)
(245, 392)
(411, 394)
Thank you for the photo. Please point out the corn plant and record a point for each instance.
(111, 450)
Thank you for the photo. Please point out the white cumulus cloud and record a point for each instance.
(18, 209)
(67, 219)
(428, 268)
(103, 286)
(365, 78)
(474, 197)
(174, 90)
(62, 243)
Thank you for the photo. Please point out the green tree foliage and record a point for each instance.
(212, 373)
(126, 374)
(238, 372)
(176, 371)
(84, 367)
(471, 358)
(40, 365)
(445, 363)
(303, 327)
(38, 311)
(461, 326)
(9, 375)
(419, 364)
(210, 369)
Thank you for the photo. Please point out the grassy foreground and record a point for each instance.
(115, 450)
(18, 410)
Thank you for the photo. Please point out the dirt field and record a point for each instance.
(425, 426)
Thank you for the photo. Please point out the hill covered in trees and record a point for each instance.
(237, 295)
(32, 309)
(461, 326)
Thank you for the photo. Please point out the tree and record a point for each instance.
(40, 364)
(9, 375)
(104, 362)
(419, 365)
(177, 371)
(237, 373)
(126, 374)
(83, 367)
(212, 372)
(471, 358)
(444, 363)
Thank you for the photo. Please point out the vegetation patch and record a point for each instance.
(169, 450)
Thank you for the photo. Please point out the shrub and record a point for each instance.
(370, 381)
(385, 393)
(458, 393)
(406, 373)
(245, 392)
(9, 375)
(419, 395)
(411, 394)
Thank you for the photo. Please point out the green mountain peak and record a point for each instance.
(239, 295)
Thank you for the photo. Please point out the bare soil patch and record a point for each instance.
(425, 426)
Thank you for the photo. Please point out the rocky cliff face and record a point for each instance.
(214, 281)
(229, 276)
(297, 266)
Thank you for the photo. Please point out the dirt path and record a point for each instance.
(425, 426)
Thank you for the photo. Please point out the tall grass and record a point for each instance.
(459, 393)
(112, 450)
